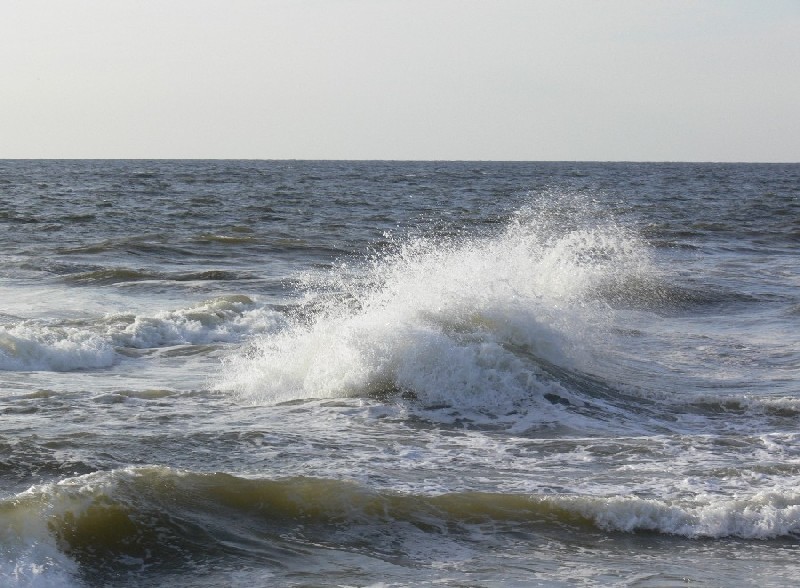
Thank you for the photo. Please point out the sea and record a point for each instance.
(365, 373)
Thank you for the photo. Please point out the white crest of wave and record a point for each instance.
(765, 515)
(454, 321)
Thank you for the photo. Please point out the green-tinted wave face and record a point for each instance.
(166, 520)
(162, 519)
(128, 509)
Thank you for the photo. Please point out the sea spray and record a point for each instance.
(467, 321)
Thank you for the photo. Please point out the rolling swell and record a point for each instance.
(108, 276)
(156, 519)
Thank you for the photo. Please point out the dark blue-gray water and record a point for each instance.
(280, 373)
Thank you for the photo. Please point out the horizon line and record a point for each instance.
(403, 160)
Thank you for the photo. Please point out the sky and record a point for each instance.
(535, 80)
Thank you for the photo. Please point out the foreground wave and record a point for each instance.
(155, 517)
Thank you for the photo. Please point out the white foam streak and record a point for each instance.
(37, 564)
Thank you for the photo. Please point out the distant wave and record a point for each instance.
(654, 292)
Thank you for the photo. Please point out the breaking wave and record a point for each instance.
(469, 322)
(160, 518)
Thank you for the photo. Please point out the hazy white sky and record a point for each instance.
(713, 80)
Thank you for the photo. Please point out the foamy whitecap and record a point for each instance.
(34, 346)
(222, 319)
(31, 553)
(93, 344)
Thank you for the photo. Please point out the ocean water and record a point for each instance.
(288, 373)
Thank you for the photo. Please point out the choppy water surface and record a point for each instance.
(400, 374)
